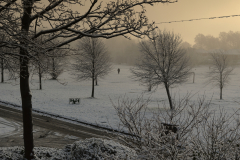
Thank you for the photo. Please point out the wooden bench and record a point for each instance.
(74, 100)
(170, 128)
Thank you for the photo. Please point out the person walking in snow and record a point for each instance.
(118, 70)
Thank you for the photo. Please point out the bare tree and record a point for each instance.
(8, 68)
(3, 64)
(57, 63)
(52, 62)
(27, 20)
(163, 61)
(39, 67)
(92, 62)
(6, 64)
(220, 70)
(3, 67)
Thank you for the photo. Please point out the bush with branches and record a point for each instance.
(201, 133)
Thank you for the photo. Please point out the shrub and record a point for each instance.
(99, 149)
(201, 133)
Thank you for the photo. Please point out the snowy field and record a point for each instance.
(55, 95)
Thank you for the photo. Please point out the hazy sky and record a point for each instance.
(191, 9)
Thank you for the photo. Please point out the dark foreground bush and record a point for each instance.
(89, 149)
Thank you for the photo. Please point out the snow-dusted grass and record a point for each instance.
(55, 96)
(42, 153)
(96, 148)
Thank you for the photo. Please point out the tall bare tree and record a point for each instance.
(56, 63)
(163, 61)
(39, 67)
(51, 62)
(92, 62)
(5, 63)
(220, 70)
(27, 20)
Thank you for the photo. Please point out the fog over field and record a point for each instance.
(125, 51)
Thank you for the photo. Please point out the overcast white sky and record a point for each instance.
(189, 9)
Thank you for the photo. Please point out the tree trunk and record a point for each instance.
(92, 86)
(2, 70)
(26, 106)
(149, 87)
(53, 69)
(221, 92)
(96, 81)
(93, 76)
(221, 85)
(40, 77)
(169, 96)
(193, 77)
(24, 84)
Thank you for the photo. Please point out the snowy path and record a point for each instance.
(47, 131)
(8, 128)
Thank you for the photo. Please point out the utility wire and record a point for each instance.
(198, 19)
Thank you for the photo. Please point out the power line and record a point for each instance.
(198, 19)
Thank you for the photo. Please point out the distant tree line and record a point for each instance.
(225, 40)
(124, 51)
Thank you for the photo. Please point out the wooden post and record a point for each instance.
(193, 76)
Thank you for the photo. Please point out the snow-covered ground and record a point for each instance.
(55, 96)
(7, 127)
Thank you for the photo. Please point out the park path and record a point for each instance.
(48, 132)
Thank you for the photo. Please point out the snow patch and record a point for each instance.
(7, 128)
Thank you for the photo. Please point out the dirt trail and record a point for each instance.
(48, 132)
